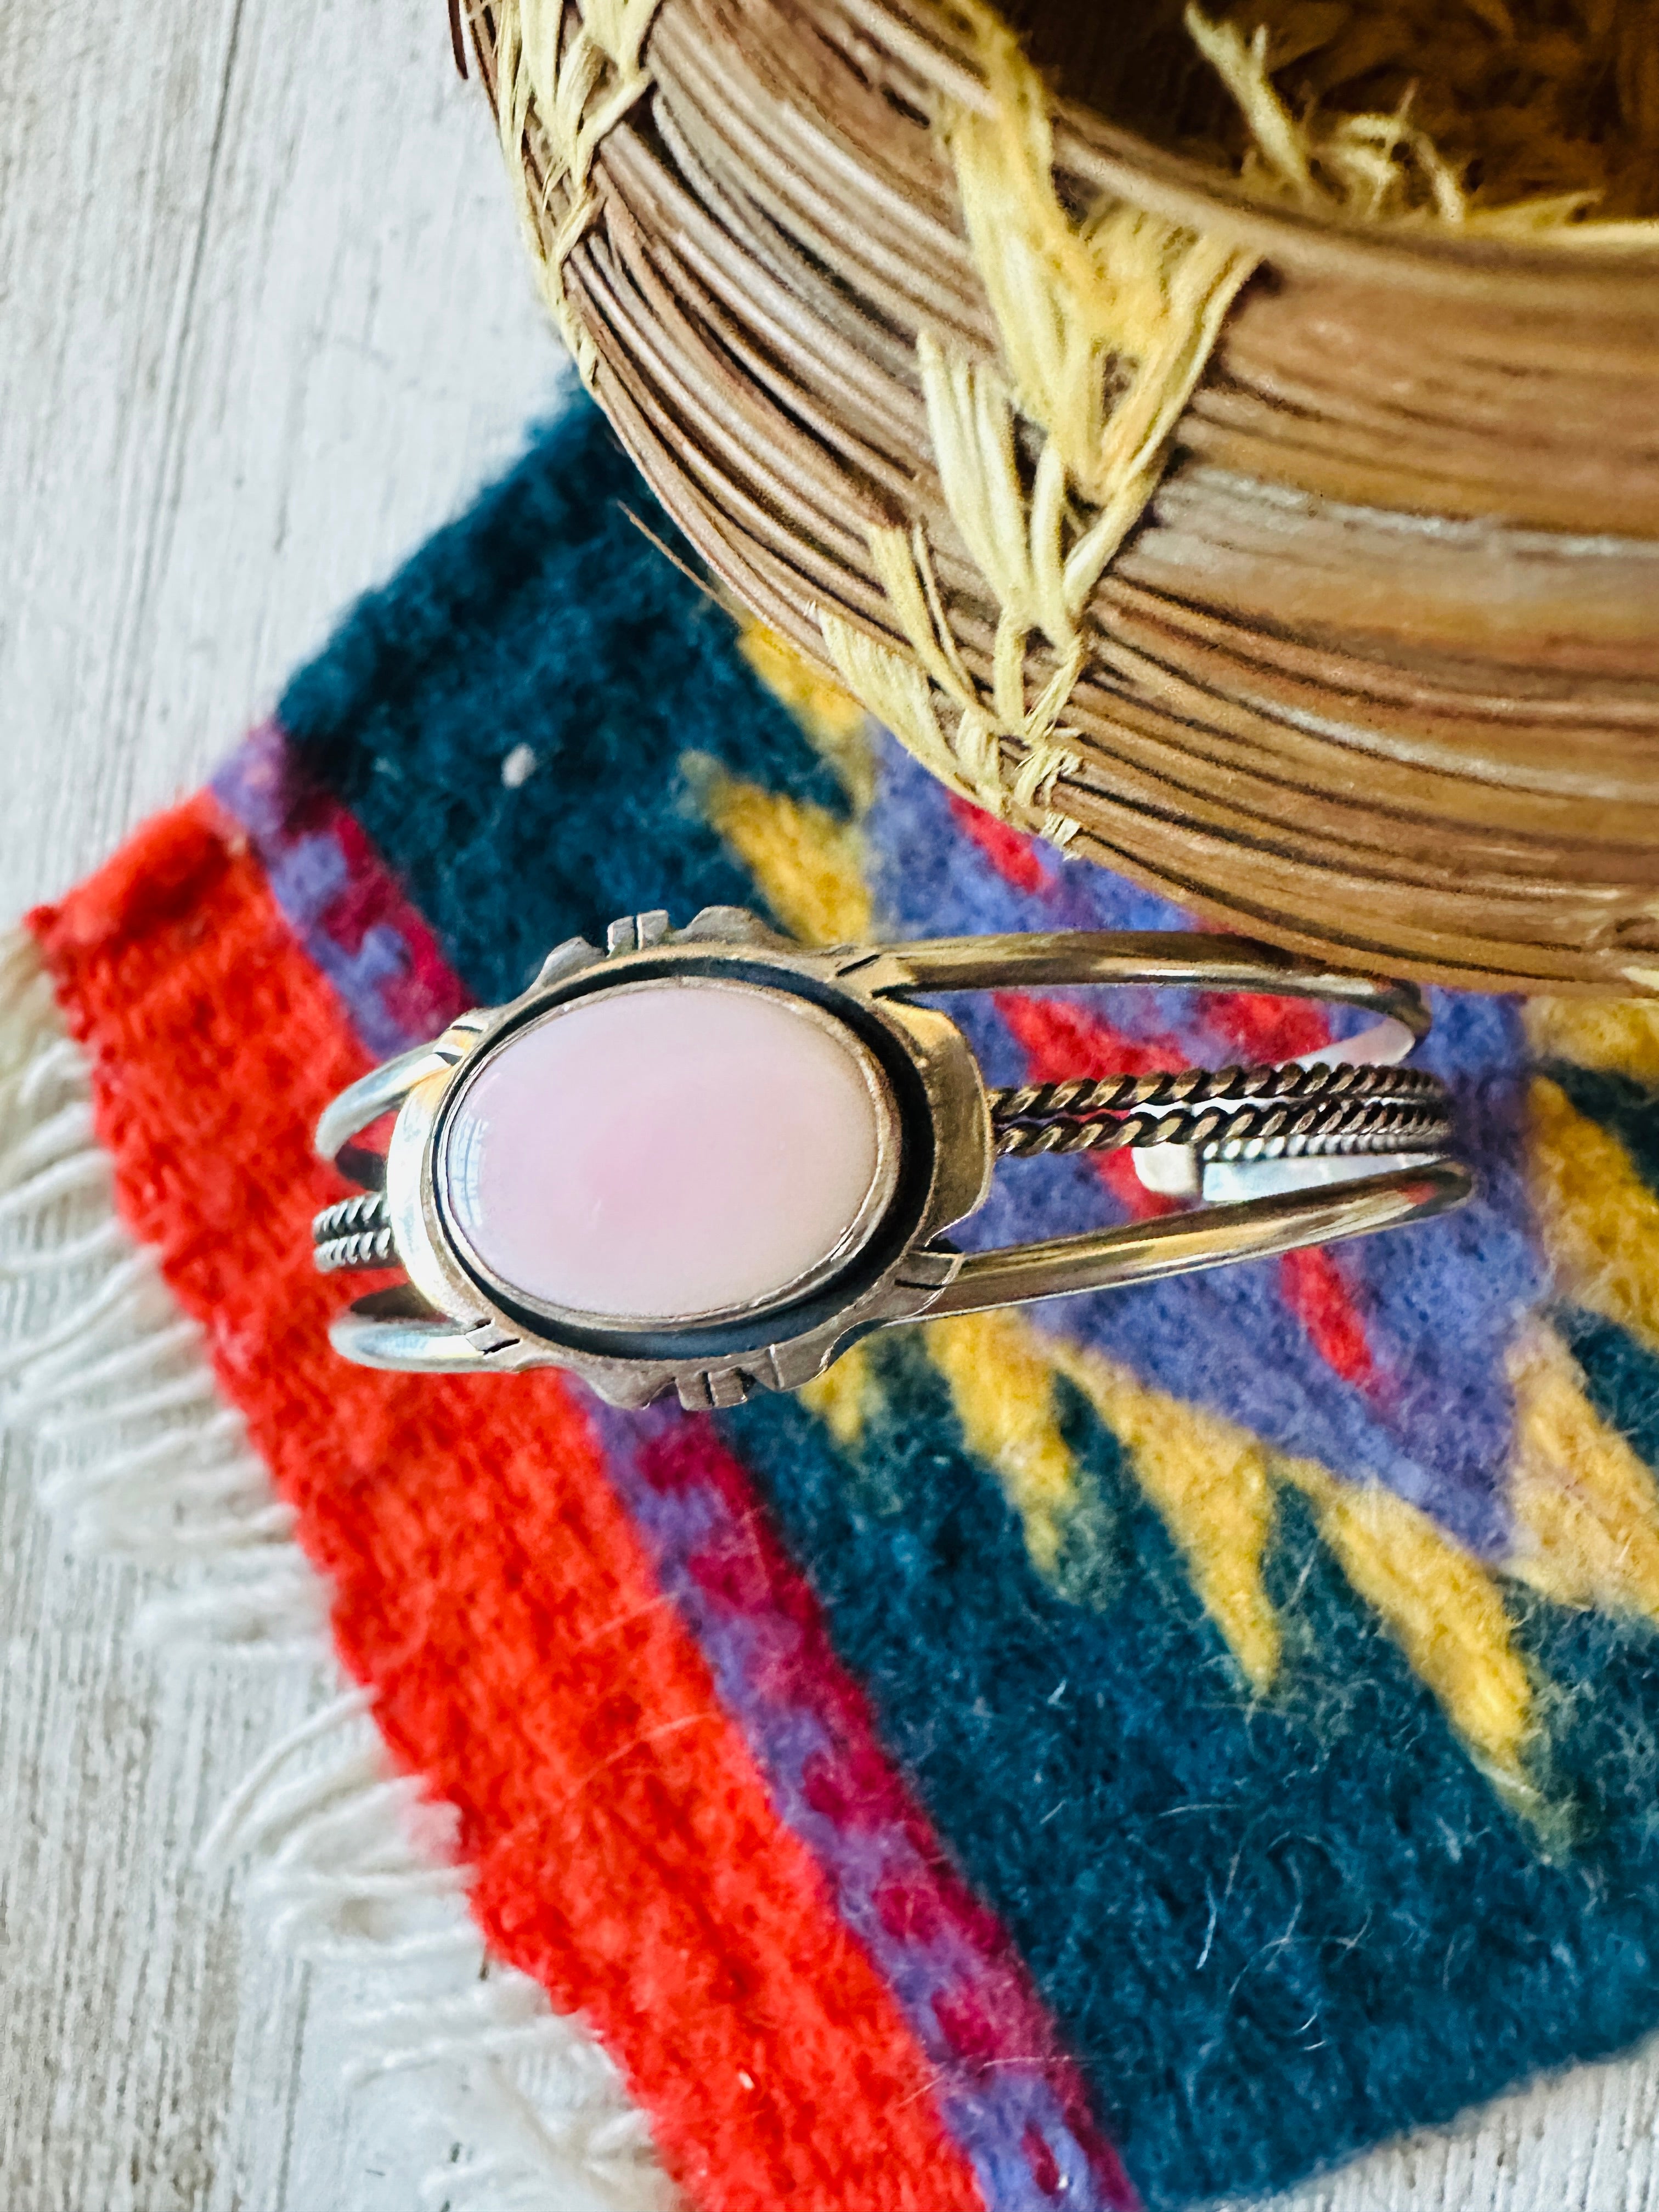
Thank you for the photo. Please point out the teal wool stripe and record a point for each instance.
(1619, 1104)
(1621, 1377)
(1272, 1933)
(546, 625)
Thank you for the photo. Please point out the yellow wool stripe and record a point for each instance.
(833, 720)
(1002, 1386)
(1620, 1034)
(842, 1395)
(1586, 1507)
(1598, 1219)
(809, 864)
(1444, 1608)
(1212, 1484)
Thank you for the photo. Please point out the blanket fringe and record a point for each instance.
(347, 1862)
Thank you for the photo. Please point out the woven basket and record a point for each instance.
(1305, 569)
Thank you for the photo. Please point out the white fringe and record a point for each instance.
(347, 1863)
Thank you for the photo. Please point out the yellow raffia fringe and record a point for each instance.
(895, 687)
(1620, 1034)
(1598, 1219)
(1586, 1503)
(581, 72)
(1497, 87)
(1105, 326)
(1105, 322)
(809, 864)
(917, 694)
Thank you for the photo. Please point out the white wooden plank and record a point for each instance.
(265, 326)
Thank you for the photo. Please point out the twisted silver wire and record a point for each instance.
(356, 1232)
(1189, 1086)
(1273, 1128)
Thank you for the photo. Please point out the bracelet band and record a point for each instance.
(1266, 1129)
(686, 1068)
(1369, 1120)
(355, 1232)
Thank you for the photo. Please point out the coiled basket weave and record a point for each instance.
(1278, 526)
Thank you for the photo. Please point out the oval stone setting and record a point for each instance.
(670, 1152)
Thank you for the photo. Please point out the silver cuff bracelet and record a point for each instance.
(710, 1159)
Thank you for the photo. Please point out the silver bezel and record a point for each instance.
(871, 1212)
(936, 1161)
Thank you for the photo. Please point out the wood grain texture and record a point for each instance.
(265, 323)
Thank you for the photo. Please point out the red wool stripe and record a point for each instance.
(1060, 1040)
(1011, 852)
(1319, 1294)
(1257, 1027)
(487, 1582)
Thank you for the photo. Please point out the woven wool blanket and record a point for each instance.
(1134, 1751)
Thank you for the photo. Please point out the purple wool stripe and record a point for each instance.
(1439, 1302)
(1011, 2100)
(339, 898)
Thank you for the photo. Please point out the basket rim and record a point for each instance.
(1431, 256)
(1512, 272)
